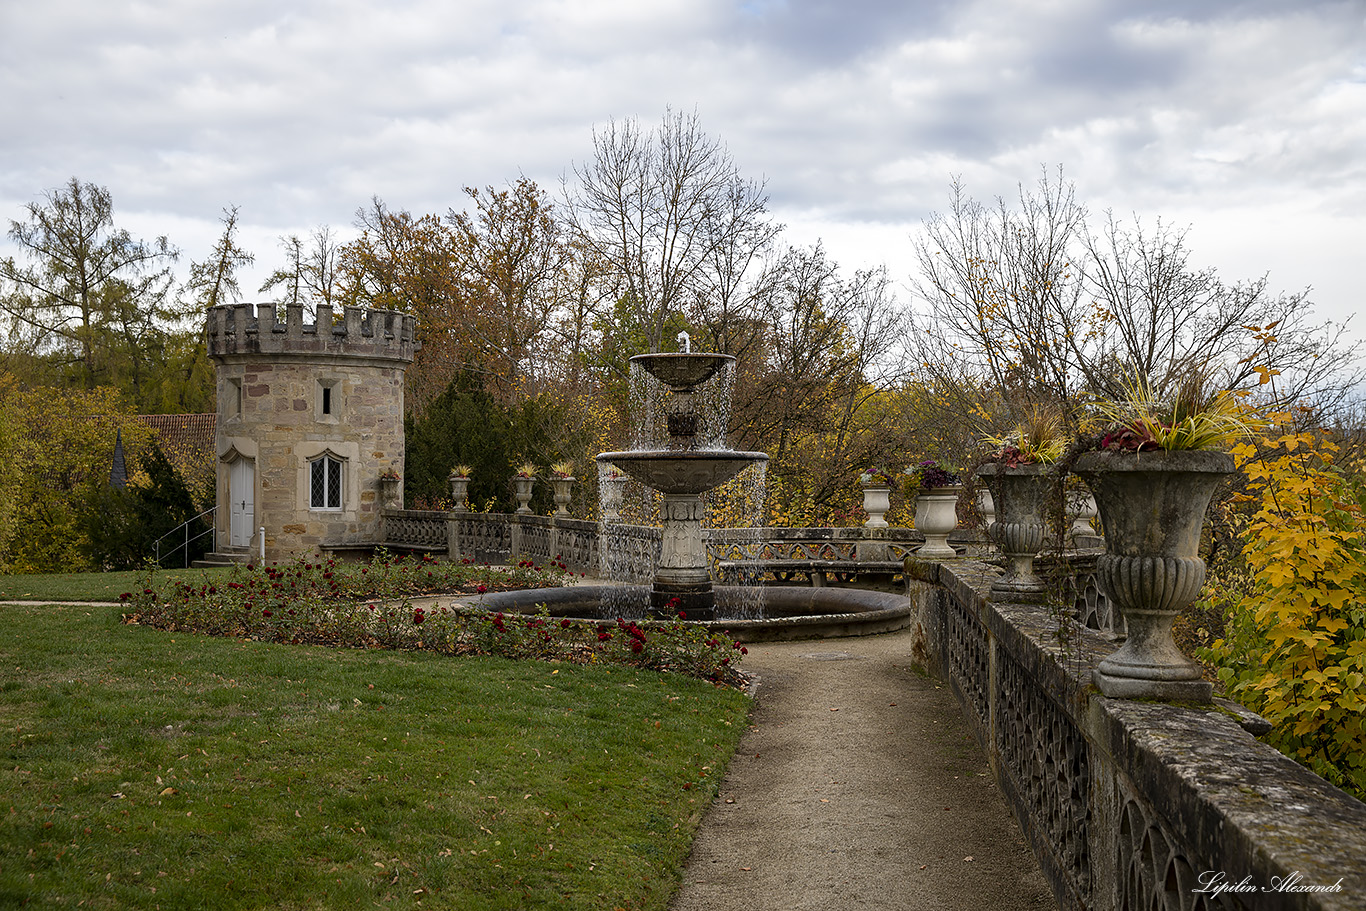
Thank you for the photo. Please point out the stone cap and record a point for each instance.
(247, 329)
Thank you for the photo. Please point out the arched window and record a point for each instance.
(325, 482)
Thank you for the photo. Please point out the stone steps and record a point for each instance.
(221, 559)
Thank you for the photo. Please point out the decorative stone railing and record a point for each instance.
(754, 554)
(1131, 804)
(494, 537)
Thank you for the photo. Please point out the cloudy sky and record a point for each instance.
(1244, 120)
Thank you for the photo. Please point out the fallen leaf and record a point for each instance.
(968, 858)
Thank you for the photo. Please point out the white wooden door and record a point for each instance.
(242, 506)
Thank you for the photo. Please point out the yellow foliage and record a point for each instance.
(1297, 633)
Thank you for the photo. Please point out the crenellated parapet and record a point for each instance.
(355, 332)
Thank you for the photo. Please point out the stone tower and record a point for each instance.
(310, 421)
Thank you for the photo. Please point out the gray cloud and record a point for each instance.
(855, 112)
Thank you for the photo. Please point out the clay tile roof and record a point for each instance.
(187, 440)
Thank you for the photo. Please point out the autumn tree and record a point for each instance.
(511, 261)
(408, 263)
(829, 351)
(90, 299)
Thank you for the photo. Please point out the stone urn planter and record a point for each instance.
(1020, 495)
(521, 491)
(936, 515)
(876, 501)
(987, 507)
(389, 489)
(1152, 505)
(1081, 509)
(460, 489)
(612, 493)
(563, 490)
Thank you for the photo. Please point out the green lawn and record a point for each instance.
(92, 586)
(148, 769)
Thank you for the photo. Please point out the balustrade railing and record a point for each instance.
(1132, 804)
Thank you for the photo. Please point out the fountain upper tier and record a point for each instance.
(681, 371)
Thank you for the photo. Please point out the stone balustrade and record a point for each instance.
(1131, 804)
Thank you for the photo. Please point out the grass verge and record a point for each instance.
(148, 769)
(95, 586)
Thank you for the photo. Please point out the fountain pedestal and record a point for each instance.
(683, 582)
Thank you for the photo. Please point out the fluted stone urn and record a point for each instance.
(460, 489)
(564, 489)
(611, 494)
(1020, 495)
(390, 491)
(987, 507)
(1152, 505)
(936, 516)
(521, 491)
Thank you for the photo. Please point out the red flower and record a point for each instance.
(265, 612)
(481, 589)
(564, 624)
(418, 616)
(637, 646)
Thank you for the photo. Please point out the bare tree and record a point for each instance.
(1027, 298)
(670, 216)
(214, 281)
(1152, 315)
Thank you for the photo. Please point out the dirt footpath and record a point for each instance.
(858, 786)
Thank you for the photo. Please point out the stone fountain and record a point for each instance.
(682, 472)
(683, 465)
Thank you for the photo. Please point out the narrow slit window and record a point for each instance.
(327, 400)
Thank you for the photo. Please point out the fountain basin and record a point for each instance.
(680, 473)
(790, 612)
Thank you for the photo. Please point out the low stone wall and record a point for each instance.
(1130, 804)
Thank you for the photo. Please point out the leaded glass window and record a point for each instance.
(325, 483)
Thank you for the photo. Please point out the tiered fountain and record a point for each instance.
(682, 473)
(682, 468)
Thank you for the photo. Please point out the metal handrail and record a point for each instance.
(185, 545)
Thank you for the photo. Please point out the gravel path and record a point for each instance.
(857, 786)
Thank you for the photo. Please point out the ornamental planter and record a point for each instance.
(987, 507)
(460, 488)
(876, 502)
(521, 490)
(612, 491)
(563, 488)
(936, 515)
(1081, 509)
(1152, 505)
(389, 492)
(1020, 494)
